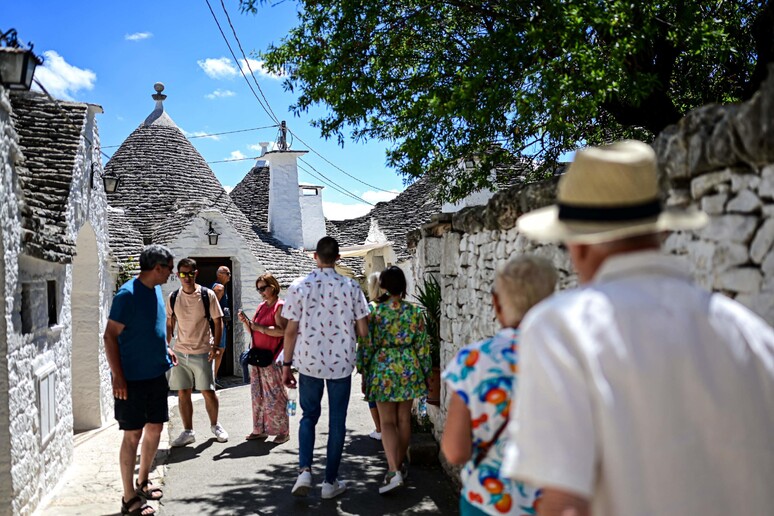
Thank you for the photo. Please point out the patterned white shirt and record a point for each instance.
(326, 305)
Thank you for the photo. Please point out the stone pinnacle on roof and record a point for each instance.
(159, 116)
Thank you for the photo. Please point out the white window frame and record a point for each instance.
(45, 385)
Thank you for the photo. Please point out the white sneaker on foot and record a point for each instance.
(375, 435)
(333, 490)
(303, 484)
(391, 482)
(185, 437)
(220, 433)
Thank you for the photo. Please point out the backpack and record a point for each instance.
(205, 303)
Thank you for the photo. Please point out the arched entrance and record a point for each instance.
(86, 334)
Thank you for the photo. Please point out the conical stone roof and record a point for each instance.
(162, 174)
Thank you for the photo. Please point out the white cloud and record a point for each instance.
(236, 155)
(201, 134)
(339, 211)
(228, 188)
(61, 79)
(257, 147)
(374, 197)
(219, 94)
(258, 69)
(137, 36)
(220, 68)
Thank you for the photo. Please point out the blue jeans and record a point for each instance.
(310, 392)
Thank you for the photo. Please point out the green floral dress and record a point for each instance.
(396, 359)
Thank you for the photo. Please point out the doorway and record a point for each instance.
(208, 268)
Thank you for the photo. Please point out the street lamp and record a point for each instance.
(17, 65)
(109, 180)
(212, 235)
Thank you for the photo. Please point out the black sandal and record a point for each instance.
(139, 511)
(148, 494)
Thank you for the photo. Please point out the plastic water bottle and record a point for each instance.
(292, 394)
(422, 408)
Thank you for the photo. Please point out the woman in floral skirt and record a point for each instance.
(269, 398)
(396, 366)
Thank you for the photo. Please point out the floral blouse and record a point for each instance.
(395, 360)
(483, 374)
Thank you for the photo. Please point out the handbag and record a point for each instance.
(261, 357)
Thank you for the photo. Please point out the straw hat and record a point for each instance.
(608, 193)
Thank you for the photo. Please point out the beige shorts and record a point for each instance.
(192, 372)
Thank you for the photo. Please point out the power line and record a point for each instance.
(247, 61)
(333, 185)
(212, 134)
(267, 109)
(335, 166)
(232, 159)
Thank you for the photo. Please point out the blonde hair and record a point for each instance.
(522, 282)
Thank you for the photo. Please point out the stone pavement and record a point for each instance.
(245, 477)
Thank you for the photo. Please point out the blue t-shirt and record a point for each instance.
(143, 343)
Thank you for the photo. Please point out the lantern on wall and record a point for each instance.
(17, 65)
(212, 235)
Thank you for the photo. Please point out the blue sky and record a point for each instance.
(112, 52)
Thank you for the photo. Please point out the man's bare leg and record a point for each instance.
(185, 405)
(212, 405)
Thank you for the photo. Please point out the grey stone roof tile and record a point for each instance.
(49, 137)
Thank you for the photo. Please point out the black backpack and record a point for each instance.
(205, 304)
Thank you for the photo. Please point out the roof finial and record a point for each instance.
(158, 96)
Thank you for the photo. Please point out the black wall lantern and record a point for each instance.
(17, 65)
(109, 180)
(212, 235)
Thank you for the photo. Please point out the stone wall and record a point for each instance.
(720, 159)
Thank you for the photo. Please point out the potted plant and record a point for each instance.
(429, 297)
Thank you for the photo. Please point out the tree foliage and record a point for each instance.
(447, 80)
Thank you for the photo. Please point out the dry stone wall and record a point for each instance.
(720, 159)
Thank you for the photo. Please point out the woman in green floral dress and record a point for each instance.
(396, 365)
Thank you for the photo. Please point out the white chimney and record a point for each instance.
(312, 218)
(264, 147)
(285, 220)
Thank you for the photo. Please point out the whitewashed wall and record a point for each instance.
(33, 464)
(312, 218)
(285, 220)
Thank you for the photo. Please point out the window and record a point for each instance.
(309, 191)
(53, 312)
(26, 308)
(46, 400)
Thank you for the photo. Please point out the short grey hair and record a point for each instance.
(154, 254)
(523, 281)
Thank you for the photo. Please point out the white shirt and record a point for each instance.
(326, 305)
(647, 395)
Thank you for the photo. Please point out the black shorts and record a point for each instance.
(146, 402)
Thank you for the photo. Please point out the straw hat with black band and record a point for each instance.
(608, 193)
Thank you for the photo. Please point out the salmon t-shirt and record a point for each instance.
(193, 330)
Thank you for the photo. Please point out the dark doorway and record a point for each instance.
(208, 267)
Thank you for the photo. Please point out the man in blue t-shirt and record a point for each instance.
(136, 349)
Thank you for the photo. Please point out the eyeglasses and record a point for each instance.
(261, 289)
(184, 275)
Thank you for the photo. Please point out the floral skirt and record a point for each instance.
(269, 401)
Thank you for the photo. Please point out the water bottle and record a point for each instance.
(292, 394)
(422, 408)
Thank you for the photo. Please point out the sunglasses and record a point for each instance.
(191, 274)
(261, 289)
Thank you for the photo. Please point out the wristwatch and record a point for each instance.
(287, 364)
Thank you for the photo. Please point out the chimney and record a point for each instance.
(285, 220)
(264, 147)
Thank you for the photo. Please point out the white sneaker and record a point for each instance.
(303, 484)
(391, 482)
(333, 490)
(375, 435)
(220, 433)
(185, 437)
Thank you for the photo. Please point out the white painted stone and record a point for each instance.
(762, 303)
(285, 220)
(766, 186)
(744, 202)
(706, 183)
(740, 279)
(714, 204)
(768, 211)
(312, 218)
(450, 260)
(761, 244)
(767, 267)
(737, 228)
(741, 182)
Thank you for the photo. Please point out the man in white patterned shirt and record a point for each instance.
(326, 313)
